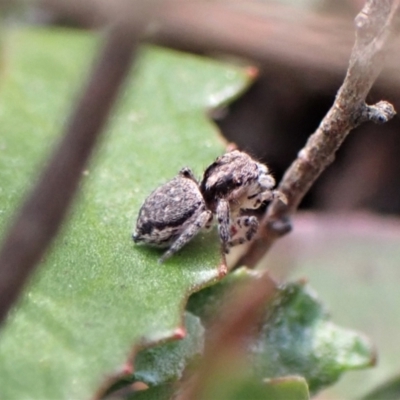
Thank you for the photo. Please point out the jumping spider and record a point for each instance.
(175, 212)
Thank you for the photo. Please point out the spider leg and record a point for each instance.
(245, 228)
(191, 230)
(256, 200)
(209, 224)
(224, 228)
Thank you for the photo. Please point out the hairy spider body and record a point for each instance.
(173, 214)
(231, 186)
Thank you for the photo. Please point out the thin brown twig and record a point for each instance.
(374, 27)
(254, 31)
(267, 33)
(39, 219)
(101, 14)
(272, 34)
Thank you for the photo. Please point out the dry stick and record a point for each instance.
(40, 217)
(227, 338)
(259, 32)
(271, 34)
(99, 13)
(272, 31)
(374, 25)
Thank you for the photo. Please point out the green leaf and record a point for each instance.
(166, 362)
(297, 336)
(207, 302)
(161, 392)
(244, 387)
(287, 388)
(96, 294)
(388, 391)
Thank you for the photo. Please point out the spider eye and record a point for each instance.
(238, 182)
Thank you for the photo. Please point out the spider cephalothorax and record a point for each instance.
(232, 185)
(176, 211)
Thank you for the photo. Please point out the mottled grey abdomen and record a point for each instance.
(167, 211)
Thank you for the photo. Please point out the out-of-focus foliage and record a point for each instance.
(164, 363)
(296, 337)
